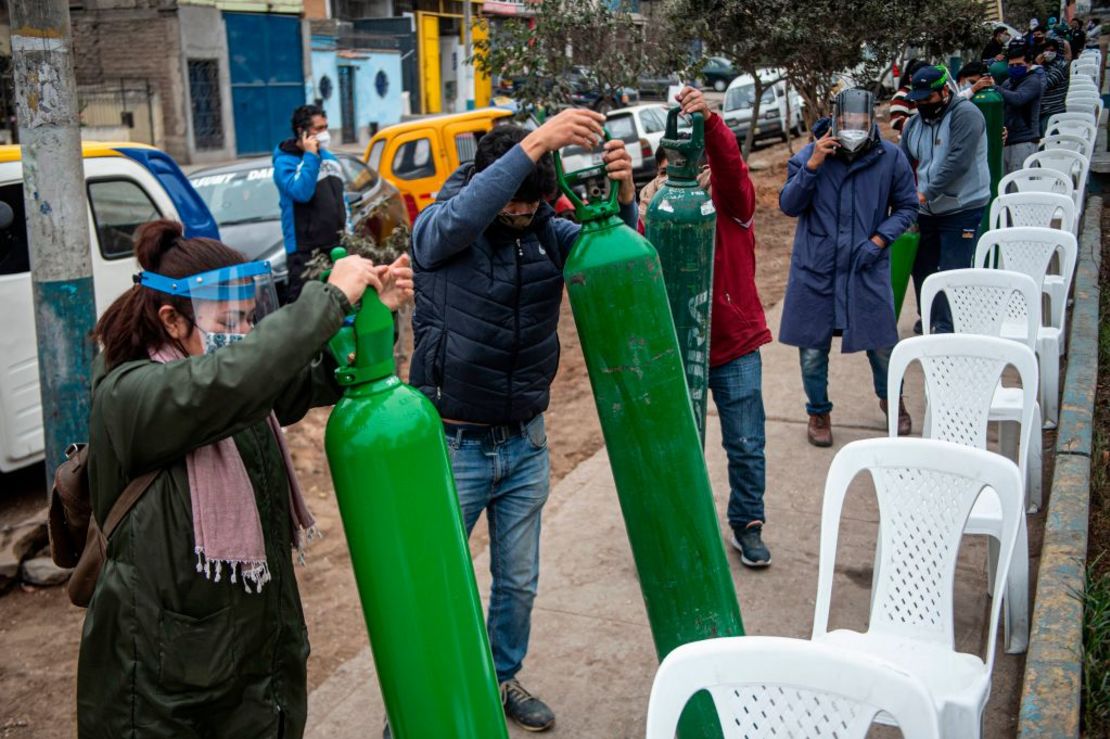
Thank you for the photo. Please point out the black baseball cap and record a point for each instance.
(926, 81)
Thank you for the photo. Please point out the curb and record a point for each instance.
(1052, 685)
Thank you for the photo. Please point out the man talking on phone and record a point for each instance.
(309, 180)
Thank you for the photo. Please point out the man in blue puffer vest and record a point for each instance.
(309, 180)
(488, 258)
(947, 142)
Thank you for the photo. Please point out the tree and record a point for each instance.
(568, 40)
(835, 43)
(1018, 12)
(732, 30)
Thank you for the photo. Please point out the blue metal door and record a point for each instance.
(267, 78)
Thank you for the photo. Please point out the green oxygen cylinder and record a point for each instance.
(990, 104)
(681, 224)
(400, 512)
(619, 300)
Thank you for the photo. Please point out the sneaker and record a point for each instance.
(386, 732)
(528, 711)
(749, 542)
(820, 430)
(905, 423)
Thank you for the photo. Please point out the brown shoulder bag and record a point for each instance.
(75, 538)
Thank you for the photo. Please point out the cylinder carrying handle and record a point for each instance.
(683, 154)
(363, 348)
(597, 205)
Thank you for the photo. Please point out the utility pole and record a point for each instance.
(57, 218)
(468, 51)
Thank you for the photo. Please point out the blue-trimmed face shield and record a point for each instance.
(227, 302)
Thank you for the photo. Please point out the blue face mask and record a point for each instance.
(1017, 72)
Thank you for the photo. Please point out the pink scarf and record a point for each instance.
(226, 526)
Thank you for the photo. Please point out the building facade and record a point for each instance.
(356, 78)
(206, 80)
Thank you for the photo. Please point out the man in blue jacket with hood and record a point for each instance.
(488, 257)
(948, 144)
(309, 180)
(853, 195)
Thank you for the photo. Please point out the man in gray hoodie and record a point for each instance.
(947, 143)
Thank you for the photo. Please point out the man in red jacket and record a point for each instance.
(738, 329)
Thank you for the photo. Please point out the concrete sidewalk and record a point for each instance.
(591, 655)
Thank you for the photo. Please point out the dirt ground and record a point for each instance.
(40, 630)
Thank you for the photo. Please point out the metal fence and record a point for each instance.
(123, 109)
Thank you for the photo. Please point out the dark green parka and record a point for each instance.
(166, 652)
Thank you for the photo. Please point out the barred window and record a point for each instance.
(204, 91)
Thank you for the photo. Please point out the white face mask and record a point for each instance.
(1049, 56)
(323, 139)
(852, 140)
(218, 339)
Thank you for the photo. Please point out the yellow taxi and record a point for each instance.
(418, 156)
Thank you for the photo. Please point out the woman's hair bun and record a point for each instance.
(154, 239)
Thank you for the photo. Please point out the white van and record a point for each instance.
(127, 184)
(772, 123)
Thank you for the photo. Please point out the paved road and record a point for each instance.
(592, 655)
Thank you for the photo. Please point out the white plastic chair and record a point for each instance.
(1029, 251)
(1040, 179)
(1071, 163)
(1081, 84)
(1005, 304)
(1084, 105)
(1083, 102)
(1041, 209)
(1085, 67)
(770, 686)
(926, 490)
(1082, 128)
(1025, 250)
(1061, 117)
(963, 375)
(1068, 141)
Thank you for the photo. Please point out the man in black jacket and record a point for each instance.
(488, 257)
(995, 50)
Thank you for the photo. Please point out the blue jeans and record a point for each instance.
(510, 481)
(738, 392)
(947, 242)
(815, 376)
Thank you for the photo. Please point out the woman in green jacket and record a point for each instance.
(195, 628)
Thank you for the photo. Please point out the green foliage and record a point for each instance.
(567, 34)
(363, 243)
(812, 42)
(1018, 12)
(1096, 651)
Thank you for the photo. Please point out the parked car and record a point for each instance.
(656, 85)
(871, 74)
(772, 123)
(127, 185)
(585, 90)
(418, 156)
(622, 125)
(244, 201)
(648, 123)
(717, 73)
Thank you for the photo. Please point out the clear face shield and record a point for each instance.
(227, 302)
(853, 119)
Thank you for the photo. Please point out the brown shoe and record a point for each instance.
(905, 423)
(820, 430)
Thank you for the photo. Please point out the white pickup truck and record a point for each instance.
(127, 184)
